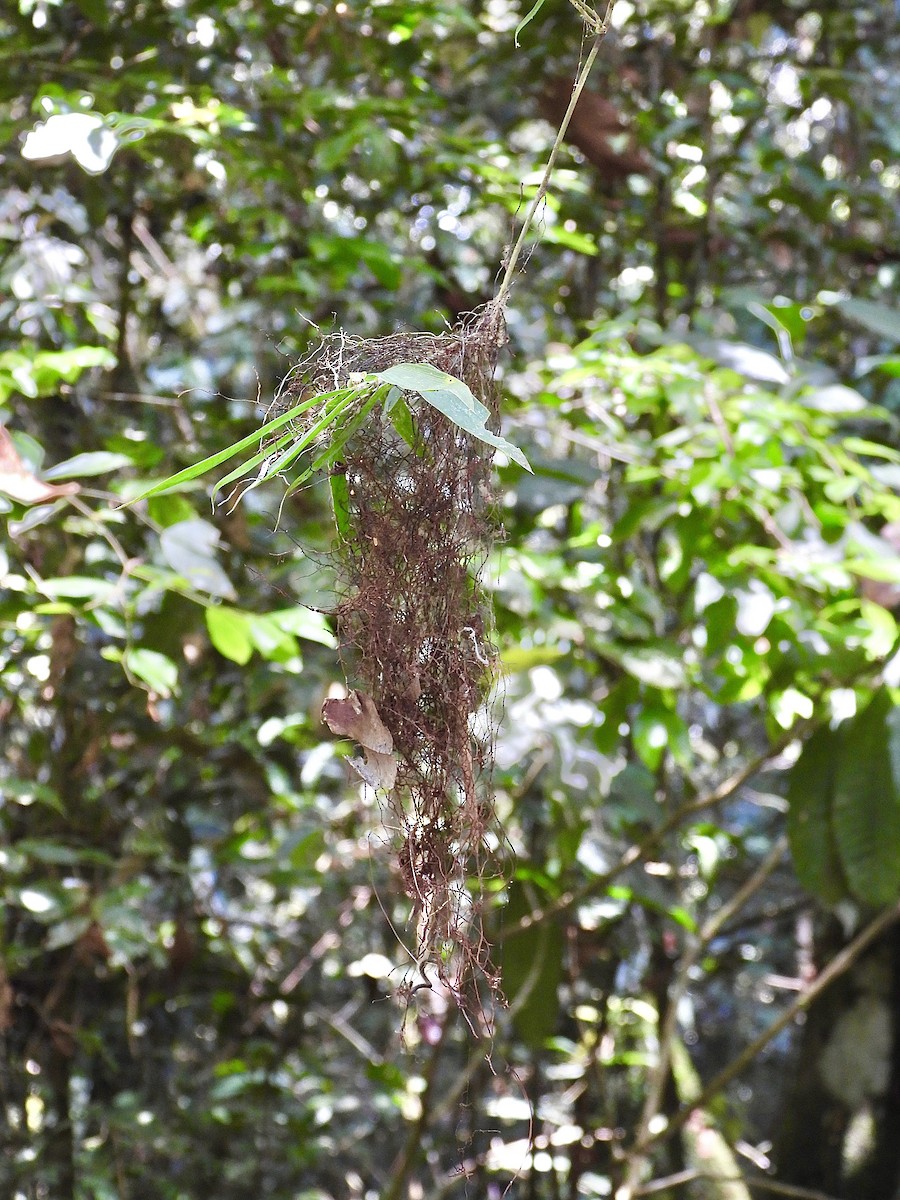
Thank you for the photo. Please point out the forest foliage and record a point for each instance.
(208, 951)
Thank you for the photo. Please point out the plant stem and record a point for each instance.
(659, 1074)
(837, 967)
(515, 253)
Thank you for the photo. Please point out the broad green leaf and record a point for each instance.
(401, 418)
(523, 658)
(423, 377)
(304, 623)
(189, 548)
(581, 243)
(652, 665)
(155, 669)
(811, 791)
(170, 509)
(228, 632)
(59, 854)
(867, 802)
(273, 642)
(454, 399)
(76, 587)
(835, 399)
(306, 850)
(26, 792)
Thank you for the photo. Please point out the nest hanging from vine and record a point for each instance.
(415, 624)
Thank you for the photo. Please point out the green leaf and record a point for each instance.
(188, 548)
(652, 665)
(532, 966)
(304, 623)
(275, 463)
(99, 462)
(252, 439)
(26, 792)
(401, 418)
(867, 802)
(170, 510)
(155, 669)
(810, 830)
(273, 642)
(523, 658)
(76, 587)
(423, 377)
(453, 398)
(306, 850)
(97, 11)
(877, 318)
(835, 399)
(528, 17)
(266, 459)
(228, 632)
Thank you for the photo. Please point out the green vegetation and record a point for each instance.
(674, 825)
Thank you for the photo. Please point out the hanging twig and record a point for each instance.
(600, 29)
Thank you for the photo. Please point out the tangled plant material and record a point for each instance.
(416, 527)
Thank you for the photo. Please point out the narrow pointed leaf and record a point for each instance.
(252, 439)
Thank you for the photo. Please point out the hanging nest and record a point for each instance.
(415, 624)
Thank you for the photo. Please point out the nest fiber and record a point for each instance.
(414, 621)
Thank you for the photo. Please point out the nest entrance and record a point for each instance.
(415, 623)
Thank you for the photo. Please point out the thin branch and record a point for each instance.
(837, 967)
(656, 1082)
(760, 1184)
(600, 28)
(406, 1159)
(724, 791)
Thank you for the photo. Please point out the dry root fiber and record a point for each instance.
(417, 625)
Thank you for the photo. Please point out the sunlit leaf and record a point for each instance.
(155, 669)
(228, 632)
(454, 399)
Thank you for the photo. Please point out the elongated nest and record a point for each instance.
(416, 625)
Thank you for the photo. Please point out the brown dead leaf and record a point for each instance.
(17, 481)
(378, 770)
(356, 717)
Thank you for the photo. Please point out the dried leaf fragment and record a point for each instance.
(378, 770)
(18, 482)
(356, 716)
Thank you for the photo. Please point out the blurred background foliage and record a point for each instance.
(695, 594)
